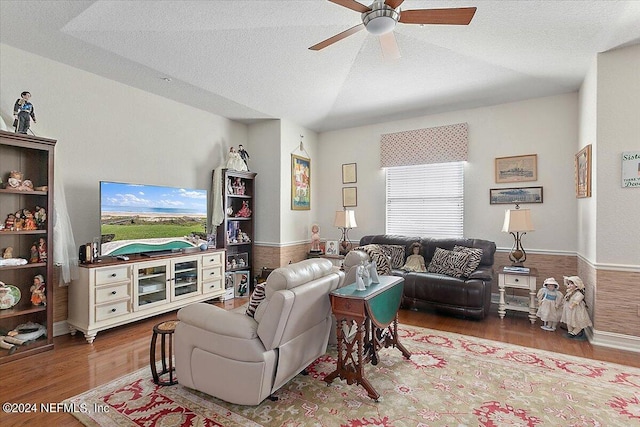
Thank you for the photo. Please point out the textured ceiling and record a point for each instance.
(249, 60)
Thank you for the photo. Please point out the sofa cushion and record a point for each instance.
(383, 266)
(448, 262)
(257, 297)
(395, 253)
(475, 255)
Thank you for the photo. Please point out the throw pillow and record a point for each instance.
(395, 253)
(257, 297)
(448, 262)
(383, 267)
(475, 255)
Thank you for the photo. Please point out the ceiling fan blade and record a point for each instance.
(454, 16)
(353, 5)
(389, 46)
(337, 37)
(393, 4)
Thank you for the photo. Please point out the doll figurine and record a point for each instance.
(23, 113)
(234, 161)
(574, 311)
(42, 250)
(415, 261)
(29, 220)
(244, 155)
(549, 302)
(37, 291)
(315, 238)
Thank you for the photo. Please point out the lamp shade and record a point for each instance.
(345, 219)
(517, 220)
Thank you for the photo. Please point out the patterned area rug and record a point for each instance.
(450, 380)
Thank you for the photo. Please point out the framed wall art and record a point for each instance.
(349, 173)
(631, 169)
(517, 168)
(300, 183)
(501, 196)
(583, 172)
(349, 197)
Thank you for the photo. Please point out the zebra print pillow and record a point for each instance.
(383, 267)
(448, 262)
(395, 253)
(475, 255)
(257, 297)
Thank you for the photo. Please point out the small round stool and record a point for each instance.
(164, 329)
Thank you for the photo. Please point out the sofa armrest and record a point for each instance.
(219, 321)
(482, 273)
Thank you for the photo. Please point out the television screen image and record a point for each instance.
(136, 218)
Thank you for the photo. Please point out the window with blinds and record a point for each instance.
(426, 200)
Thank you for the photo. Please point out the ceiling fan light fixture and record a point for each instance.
(381, 19)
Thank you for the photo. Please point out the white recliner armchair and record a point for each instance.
(243, 360)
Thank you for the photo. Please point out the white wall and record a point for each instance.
(546, 126)
(618, 233)
(110, 131)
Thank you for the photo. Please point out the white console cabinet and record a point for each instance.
(111, 293)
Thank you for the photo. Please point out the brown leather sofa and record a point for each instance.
(465, 296)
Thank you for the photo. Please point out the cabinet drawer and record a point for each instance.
(347, 306)
(212, 286)
(112, 274)
(516, 281)
(112, 292)
(115, 309)
(213, 273)
(212, 259)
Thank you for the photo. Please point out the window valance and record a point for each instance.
(440, 144)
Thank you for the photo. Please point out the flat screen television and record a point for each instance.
(149, 219)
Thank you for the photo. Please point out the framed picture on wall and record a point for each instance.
(517, 168)
(583, 172)
(349, 173)
(501, 196)
(300, 183)
(349, 197)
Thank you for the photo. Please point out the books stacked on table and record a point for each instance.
(516, 269)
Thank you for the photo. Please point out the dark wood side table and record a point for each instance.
(165, 330)
(366, 322)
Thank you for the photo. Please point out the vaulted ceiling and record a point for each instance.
(249, 60)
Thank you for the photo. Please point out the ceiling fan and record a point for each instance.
(382, 16)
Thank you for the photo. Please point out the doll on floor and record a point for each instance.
(574, 311)
(549, 303)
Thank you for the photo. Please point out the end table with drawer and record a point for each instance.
(517, 280)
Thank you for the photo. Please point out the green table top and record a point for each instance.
(382, 299)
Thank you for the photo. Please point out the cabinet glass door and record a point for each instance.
(152, 284)
(186, 279)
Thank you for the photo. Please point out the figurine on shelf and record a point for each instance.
(242, 287)
(574, 311)
(8, 253)
(37, 291)
(549, 302)
(234, 161)
(415, 261)
(23, 112)
(244, 155)
(29, 220)
(19, 221)
(315, 239)
(42, 250)
(244, 211)
(40, 216)
(34, 254)
(17, 183)
(10, 222)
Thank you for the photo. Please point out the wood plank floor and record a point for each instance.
(75, 366)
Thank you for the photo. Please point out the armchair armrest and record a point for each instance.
(219, 321)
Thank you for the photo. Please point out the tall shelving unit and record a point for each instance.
(236, 232)
(34, 157)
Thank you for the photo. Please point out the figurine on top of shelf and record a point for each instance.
(574, 311)
(37, 291)
(415, 261)
(29, 220)
(549, 302)
(315, 239)
(234, 161)
(244, 211)
(40, 216)
(42, 250)
(23, 112)
(244, 155)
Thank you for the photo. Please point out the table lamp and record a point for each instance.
(345, 220)
(517, 222)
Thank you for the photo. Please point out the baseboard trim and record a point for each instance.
(614, 340)
(60, 328)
